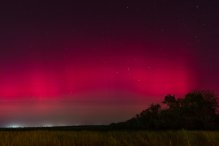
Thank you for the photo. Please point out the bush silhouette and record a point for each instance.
(197, 110)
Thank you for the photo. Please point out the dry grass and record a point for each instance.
(109, 138)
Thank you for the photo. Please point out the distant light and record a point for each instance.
(48, 125)
(14, 126)
(53, 125)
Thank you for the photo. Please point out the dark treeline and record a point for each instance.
(197, 110)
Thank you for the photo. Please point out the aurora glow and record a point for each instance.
(68, 63)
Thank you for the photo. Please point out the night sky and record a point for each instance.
(97, 62)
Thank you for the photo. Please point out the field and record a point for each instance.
(108, 138)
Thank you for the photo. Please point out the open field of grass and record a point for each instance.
(108, 138)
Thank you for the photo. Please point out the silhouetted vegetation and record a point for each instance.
(197, 110)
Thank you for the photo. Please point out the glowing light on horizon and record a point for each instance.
(15, 126)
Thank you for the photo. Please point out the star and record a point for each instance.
(204, 24)
(197, 6)
(148, 67)
(196, 36)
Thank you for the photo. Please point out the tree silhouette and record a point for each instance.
(170, 101)
(197, 110)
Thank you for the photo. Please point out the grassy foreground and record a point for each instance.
(109, 138)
